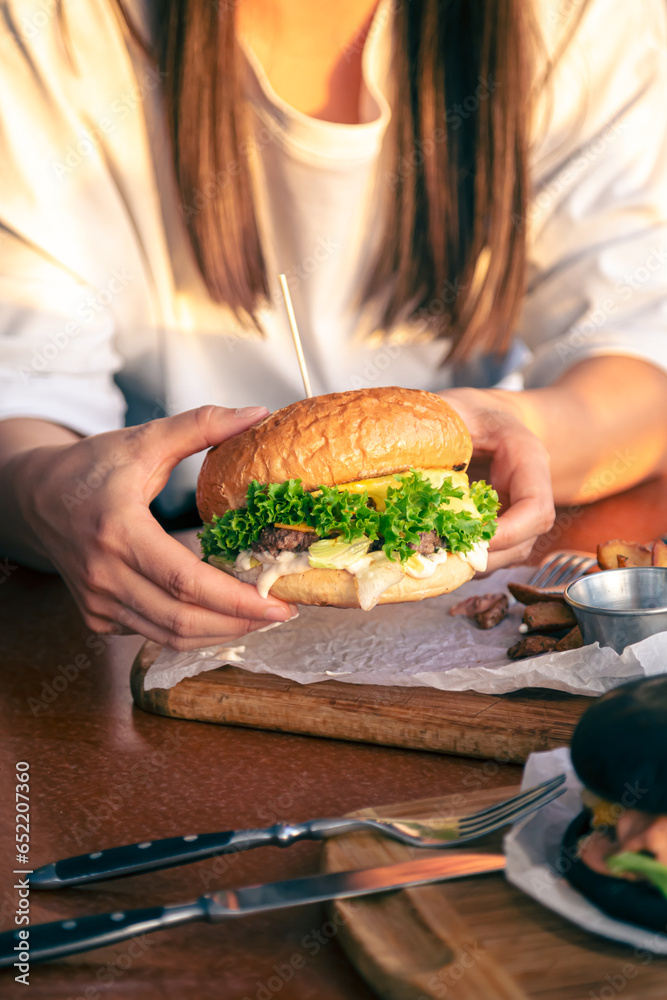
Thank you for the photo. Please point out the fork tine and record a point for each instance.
(569, 570)
(511, 805)
(431, 833)
(509, 815)
(583, 566)
(490, 827)
(536, 579)
(518, 798)
(558, 567)
(577, 566)
(551, 567)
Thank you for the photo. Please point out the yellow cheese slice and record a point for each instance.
(302, 526)
(377, 488)
(604, 813)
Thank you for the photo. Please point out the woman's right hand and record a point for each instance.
(87, 507)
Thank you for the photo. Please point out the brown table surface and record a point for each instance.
(103, 772)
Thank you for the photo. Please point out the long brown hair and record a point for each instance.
(453, 256)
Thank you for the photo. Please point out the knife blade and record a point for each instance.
(67, 937)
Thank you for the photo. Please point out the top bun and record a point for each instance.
(619, 748)
(332, 439)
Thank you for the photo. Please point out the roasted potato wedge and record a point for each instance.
(659, 553)
(573, 640)
(532, 645)
(632, 553)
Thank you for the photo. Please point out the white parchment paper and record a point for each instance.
(533, 857)
(420, 644)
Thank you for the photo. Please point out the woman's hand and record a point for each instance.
(86, 505)
(518, 469)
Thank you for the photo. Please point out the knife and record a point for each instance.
(67, 937)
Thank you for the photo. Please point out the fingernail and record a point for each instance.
(265, 628)
(246, 412)
(294, 610)
(277, 615)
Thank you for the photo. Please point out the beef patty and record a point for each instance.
(277, 540)
(429, 541)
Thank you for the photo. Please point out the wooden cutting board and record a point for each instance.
(477, 938)
(506, 728)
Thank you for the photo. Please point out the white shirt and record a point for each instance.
(97, 279)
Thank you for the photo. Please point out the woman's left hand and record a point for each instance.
(519, 469)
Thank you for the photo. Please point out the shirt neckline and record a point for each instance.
(313, 138)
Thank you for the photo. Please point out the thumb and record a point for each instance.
(175, 438)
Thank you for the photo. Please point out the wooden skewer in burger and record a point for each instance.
(349, 499)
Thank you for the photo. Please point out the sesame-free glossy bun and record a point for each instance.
(336, 588)
(333, 439)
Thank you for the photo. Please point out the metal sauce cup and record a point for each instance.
(618, 607)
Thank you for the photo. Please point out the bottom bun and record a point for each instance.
(336, 588)
(633, 902)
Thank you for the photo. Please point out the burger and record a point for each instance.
(349, 499)
(615, 851)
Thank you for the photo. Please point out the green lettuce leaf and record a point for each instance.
(335, 510)
(640, 864)
(411, 508)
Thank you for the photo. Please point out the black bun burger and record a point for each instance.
(615, 851)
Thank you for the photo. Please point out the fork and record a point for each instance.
(153, 855)
(562, 568)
